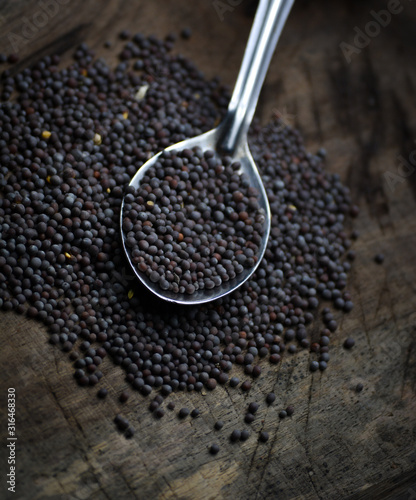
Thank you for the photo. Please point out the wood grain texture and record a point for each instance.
(339, 444)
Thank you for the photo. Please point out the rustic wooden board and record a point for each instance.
(339, 444)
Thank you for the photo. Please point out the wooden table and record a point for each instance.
(339, 444)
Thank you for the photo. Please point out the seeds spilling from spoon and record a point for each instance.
(61, 258)
(194, 222)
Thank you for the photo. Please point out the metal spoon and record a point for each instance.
(230, 139)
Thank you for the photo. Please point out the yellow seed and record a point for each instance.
(292, 207)
(130, 294)
(46, 134)
(150, 203)
(97, 139)
(197, 96)
(68, 255)
(48, 179)
(125, 115)
(108, 190)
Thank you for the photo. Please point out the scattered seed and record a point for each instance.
(159, 412)
(13, 58)
(97, 139)
(256, 371)
(219, 424)
(264, 436)
(379, 258)
(186, 33)
(349, 343)
(235, 435)
(214, 449)
(234, 381)
(313, 366)
(102, 393)
(270, 398)
(158, 399)
(124, 35)
(245, 434)
(129, 432)
(246, 386)
(124, 396)
(290, 411)
(154, 405)
(121, 422)
(253, 407)
(249, 418)
(183, 412)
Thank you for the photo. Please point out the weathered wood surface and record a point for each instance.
(339, 444)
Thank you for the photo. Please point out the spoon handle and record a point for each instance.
(268, 24)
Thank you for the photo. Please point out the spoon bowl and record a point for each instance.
(206, 141)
